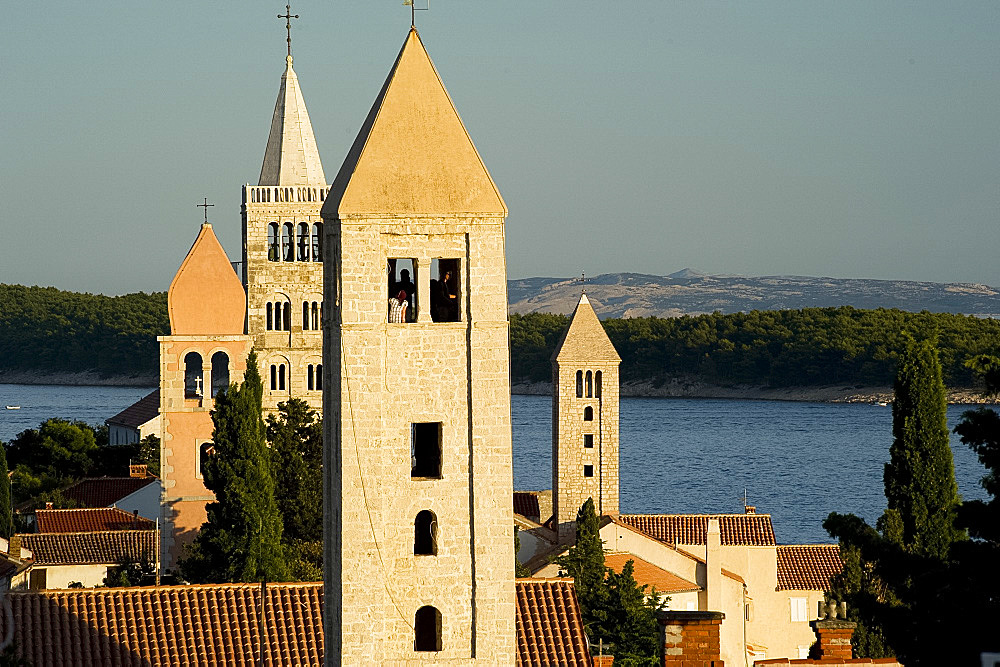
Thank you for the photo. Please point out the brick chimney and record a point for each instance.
(138, 470)
(834, 631)
(691, 638)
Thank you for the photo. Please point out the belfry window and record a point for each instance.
(425, 534)
(303, 242)
(305, 316)
(446, 289)
(309, 377)
(220, 372)
(269, 316)
(588, 414)
(317, 242)
(316, 319)
(579, 384)
(286, 317)
(590, 384)
(193, 375)
(425, 450)
(287, 242)
(597, 384)
(427, 629)
(278, 377)
(314, 377)
(273, 251)
(319, 377)
(205, 450)
(402, 290)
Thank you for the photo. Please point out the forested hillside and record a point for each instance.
(51, 331)
(777, 348)
(48, 330)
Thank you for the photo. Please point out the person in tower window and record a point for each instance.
(397, 308)
(406, 284)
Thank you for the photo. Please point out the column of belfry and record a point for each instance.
(584, 420)
(282, 238)
(418, 563)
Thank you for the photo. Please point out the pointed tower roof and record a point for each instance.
(206, 297)
(413, 156)
(291, 156)
(585, 339)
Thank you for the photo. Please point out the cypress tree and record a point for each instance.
(920, 488)
(6, 518)
(241, 540)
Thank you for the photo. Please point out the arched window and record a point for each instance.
(269, 316)
(281, 377)
(272, 242)
(309, 377)
(579, 384)
(303, 242)
(220, 372)
(193, 375)
(274, 378)
(597, 383)
(317, 249)
(287, 242)
(588, 414)
(425, 534)
(315, 315)
(319, 377)
(305, 316)
(427, 629)
(205, 450)
(590, 384)
(286, 319)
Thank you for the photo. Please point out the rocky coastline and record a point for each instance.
(84, 379)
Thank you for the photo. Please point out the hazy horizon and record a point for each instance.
(852, 140)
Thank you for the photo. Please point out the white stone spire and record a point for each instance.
(291, 156)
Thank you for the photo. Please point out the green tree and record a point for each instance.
(920, 487)
(130, 573)
(584, 561)
(6, 510)
(519, 570)
(241, 540)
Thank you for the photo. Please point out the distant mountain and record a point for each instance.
(689, 292)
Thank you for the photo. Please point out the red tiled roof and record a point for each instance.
(526, 504)
(549, 626)
(89, 520)
(646, 573)
(808, 567)
(138, 413)
(753, 530)
(100, 548)
(105, 491)
(217, 624)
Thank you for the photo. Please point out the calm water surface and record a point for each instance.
(798, 461)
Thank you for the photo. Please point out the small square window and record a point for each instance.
(588, 471)
(425, 450)
(446, 290)
(401, 290)
(798, 609)
(588, 440)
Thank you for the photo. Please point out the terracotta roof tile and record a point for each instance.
(89, 520)
(140, 412)
(808, 567)
(648, 574)
(105, 547)
(105, 491)
(753, 530)
(549, 626)
(526, 504)
(217, 624)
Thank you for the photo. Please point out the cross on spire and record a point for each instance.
(205, 206)
(412, 4)
(583, 283)
(288, 16)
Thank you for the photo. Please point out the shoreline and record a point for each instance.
(84, 379)
(838, 393)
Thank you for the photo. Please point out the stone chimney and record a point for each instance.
(834, 631)
(713, 566)
(750, 509)
(691, 638)
(14, 547)
(48, 505)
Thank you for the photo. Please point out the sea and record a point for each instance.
(795, 461)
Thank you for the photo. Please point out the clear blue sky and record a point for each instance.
(848, 139)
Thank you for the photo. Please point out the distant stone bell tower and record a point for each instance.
(419, 565)
(584, 420)
(282, 253)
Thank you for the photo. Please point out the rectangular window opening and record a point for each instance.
(401, 290)
(588, 440)
(446, 290)
(798, 609)
(425, 450)
(588, 471)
